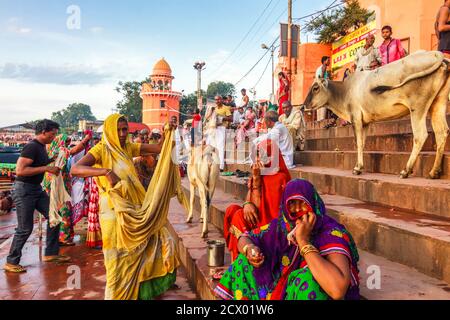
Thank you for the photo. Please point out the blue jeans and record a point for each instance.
(28, 198)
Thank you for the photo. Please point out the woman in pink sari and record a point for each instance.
(283, 91)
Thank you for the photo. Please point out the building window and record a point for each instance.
(163, 104)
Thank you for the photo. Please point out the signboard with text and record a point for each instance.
(344, 50)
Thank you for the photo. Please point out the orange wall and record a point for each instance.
(304, 69)
(412, 19)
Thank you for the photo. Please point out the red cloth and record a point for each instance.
(272, 188)
(196, 120)
(283, 94)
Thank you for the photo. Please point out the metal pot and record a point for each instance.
(216, 253)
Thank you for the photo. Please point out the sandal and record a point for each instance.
(14, 268)
(60, 259)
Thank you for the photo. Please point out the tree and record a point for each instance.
(69, 117)
(131, 103)
(220, 88)
(328, 27)
(188, 105)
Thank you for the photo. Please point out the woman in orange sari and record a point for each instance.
(265, 188)
(283, 91)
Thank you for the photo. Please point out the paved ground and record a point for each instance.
(50, 281)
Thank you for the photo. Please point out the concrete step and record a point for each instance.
(374, 161)
(392, 142)
(412, 194)
(398, 282)
(401, 126)
(419, 241)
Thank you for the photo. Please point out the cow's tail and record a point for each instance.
(432, 69)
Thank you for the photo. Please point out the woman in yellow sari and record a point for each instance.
(140, 255)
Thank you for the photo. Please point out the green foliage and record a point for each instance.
(329, 27)
(131, 103)
(220, 88)
(68, 118)
(188, 104)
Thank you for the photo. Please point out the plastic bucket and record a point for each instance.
(216, 253)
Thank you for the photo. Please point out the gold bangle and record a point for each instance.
(245, 248)
(307, 249)
(108, 173)
(310, 251)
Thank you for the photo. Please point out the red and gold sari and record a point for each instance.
(270, 192)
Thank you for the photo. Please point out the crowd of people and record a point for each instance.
(15, 140)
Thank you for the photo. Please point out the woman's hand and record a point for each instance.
(254, 256)
(113, 179)
(256, 168)
(305, 225)
(53, 170)
(251, 214)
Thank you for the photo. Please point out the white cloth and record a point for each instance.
(279, 134)
(365, 58)
(216, 139)
(58, 194)
(238, 117)
(77, 192)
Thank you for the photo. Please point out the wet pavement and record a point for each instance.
(51, 281)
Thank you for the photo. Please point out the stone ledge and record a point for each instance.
(413, 194)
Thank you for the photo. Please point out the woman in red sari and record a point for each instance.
(283, 91)
(265, 189)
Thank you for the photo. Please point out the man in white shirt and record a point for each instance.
(322, 73)
(238, 116)
(294, 121)
(279, 134)
(368, 57)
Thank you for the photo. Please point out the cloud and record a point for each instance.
(65, 74)
(97, 30)
(14, 25)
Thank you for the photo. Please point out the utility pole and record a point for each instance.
(272, 50)
(199, 66)
(289, 46)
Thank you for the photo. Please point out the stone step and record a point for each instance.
(412, 194)
(400, 126)
(393, 142)
(374, 161)
(398, 282)
(419, 241)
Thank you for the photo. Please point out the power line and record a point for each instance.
(332, 6)
(264, 72)
(276, 21)
(249, 43)
(243, 39)
(254, 66)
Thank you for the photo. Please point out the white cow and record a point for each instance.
(203, 172)
(414, 85)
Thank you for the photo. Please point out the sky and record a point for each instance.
(57, 52)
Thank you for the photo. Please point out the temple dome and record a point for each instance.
(162, 68)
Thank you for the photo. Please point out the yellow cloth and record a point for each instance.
(136, 243)
(224, 111)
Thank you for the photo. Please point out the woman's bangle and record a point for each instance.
(244, 249)
(308, 249)
(108, 172)
(246, 203)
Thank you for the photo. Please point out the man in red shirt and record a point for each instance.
(196, 133)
